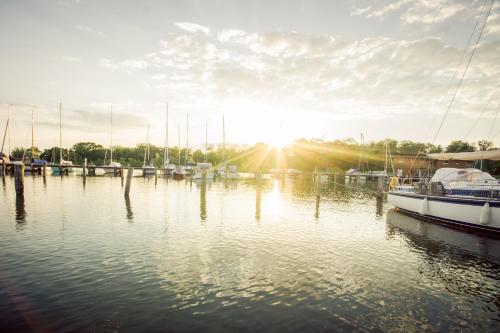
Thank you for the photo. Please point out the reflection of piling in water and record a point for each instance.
(380, 205)
(317, 184)
(203, 198)
(257, 201)
(20, 209)
(130, 213)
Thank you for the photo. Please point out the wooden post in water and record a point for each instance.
(4, 169)
(156, 177)
(84, 171)
(121, 174)
(19, 178)
(380, 186)
(129, 180)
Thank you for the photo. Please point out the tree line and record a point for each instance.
(338, 155)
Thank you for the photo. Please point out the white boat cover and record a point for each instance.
(492, 155)
(460, 175)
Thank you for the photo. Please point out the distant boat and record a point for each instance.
(179, 173)
(57, 169)
(112, 165)
(147, 167)
(228, 171)
(168, 168)
(202, 169)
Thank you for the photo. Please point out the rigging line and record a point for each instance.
(450, 84)
(465, 71)
(494, 120)
(479, 118)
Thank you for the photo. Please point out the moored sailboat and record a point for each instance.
(467, 198)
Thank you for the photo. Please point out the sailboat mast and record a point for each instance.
(206, 141)
(385, 166)
(223, 141)
(187, 139)
(165, 150)
(111, 136)
(32, 134)
(60, 134)
(6, 129)
(8, 133)
(179, 150)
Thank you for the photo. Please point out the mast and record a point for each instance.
(187, 138)
(10, 152)
(206, 141)
(223, 141)
(60, 134)
(6, 129)
(165, 149)
(111, 137)
(179, 150)
(359, 157)
(32, 134)
(385, 166)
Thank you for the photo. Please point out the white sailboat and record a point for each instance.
(112, 164)
(228, 171)
(64, 165)
(179, 172)
(147, 167)
(467, 198)
(204, 169)
(167, 166)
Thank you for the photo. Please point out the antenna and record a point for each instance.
(206, 141)
(60, 134)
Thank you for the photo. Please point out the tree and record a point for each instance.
(459, 146)
(485, 145)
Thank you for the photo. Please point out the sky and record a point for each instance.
(277, 70)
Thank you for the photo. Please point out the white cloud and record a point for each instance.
(419, 11)
(372, 77)
(88, 30)
(69, 59)
(192, 27)
(127, 65)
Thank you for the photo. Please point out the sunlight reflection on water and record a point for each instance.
(234, 256)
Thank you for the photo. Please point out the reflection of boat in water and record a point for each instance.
(428, 235)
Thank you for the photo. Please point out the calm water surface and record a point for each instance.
(181, 256)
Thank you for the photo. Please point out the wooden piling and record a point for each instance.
(380, 186)
(129, 180)
(156, 177)
(44, 169)
(19, 178)
(4, 169)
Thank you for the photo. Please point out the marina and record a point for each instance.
(236, 166)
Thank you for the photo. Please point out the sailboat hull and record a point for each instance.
(473, 213)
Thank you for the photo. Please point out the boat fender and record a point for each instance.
(485, 214)
(424, 207)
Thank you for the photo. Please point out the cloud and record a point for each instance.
(192, 27)
(69, 59)
(419, 11)
(370, 78)
(127, 65)
(90, 31)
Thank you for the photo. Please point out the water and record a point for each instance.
(224, 257)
